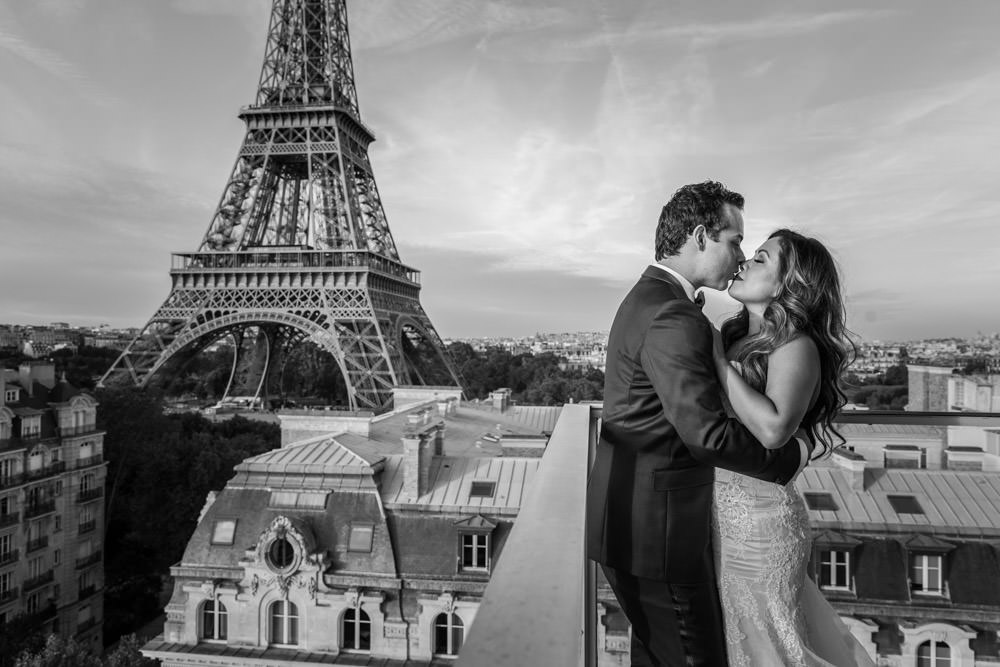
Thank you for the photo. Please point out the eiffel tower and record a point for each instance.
(298, 248)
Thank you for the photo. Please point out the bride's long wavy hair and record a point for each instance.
(809, 302)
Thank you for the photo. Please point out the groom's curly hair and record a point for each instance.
(693, 205)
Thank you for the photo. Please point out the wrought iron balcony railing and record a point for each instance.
(9, 519)
(54, 468)
(90, 494)
(8, 557)
(86, 625)
(88, 461)
(39, 581)
(8, 595)
(87, 591)
(86, 561)
(36, 544)
(87, 526)
(10, 481)
(82, 429)
(38, 509)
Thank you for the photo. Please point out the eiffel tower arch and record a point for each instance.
(298, 249)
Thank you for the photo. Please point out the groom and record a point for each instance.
(649, 498)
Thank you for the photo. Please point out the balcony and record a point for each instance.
(37, 544)
(54, 468)
(39, 581)
(288, 259)
(11, 481)
(87, 591)
(88, 461)
(544, 556)
(90, 494)
(86, 561)
(11, 519)
(8, 596)
(86, 625)
(9, 557)
(70, 431)
(38, 509)
(87, 526)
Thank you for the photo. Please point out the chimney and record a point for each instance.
(420, 445)
(853, 466)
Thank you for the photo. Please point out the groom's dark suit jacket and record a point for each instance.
(649, 496)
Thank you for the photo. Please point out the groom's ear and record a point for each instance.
(700, 234)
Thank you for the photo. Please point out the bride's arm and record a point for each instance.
(792, 376)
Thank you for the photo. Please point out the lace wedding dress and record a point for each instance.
(774, 614)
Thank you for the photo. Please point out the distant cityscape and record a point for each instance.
(582, 349)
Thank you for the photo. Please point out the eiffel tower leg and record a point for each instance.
(252, 363)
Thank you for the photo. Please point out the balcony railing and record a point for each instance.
(39, 581)
(86, 625)
(90, 494)
(88, 461)
(36, 544)
(10, 481)
(69, 431)
(544, 558)
(52, 469)
(87, 591)
(8, 557)
(85, 561)
(87, 526)
(8, 595)
(9, 519)
(37, 509)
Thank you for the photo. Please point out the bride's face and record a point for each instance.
(758, 281)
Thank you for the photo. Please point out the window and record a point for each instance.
(86, 483)
(213, 620)
(905, 505)
(280, 553)
(821, 501)
(926, 575)
(57, 556)
(58, 523)
(835, 569)
(356, 630)
(475, 551)
(361, 537)
(448, 634)
(481, 489)
(302, 501)
(35, 568)
(4, 584)
(86, 583)
(57, 488)
(87, 518)
(32, 604)
(5, 506)
(6, 469)
(284, 623)
(224, 532)
(5, 547)
(83, 615)
(933, 653)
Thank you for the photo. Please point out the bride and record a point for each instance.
(779, 360)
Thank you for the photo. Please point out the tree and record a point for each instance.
(59, 652)
(127, 654)
(896, 375)
(19, 634)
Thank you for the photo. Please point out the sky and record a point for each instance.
(524, 148)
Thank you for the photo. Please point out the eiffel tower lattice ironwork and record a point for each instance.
(299, 247)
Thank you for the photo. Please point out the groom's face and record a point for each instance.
(724, 256)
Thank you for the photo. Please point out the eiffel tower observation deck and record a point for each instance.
(298, 249)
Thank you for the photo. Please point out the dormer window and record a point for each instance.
(475, 550)
(11, 396)
(927, 574)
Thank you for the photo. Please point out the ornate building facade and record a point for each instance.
(362, 538)
(52, 473)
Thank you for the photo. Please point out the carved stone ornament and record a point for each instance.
(939, 636)
(282, 528)
(352, 598)
(448, 602)
(208, 588)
